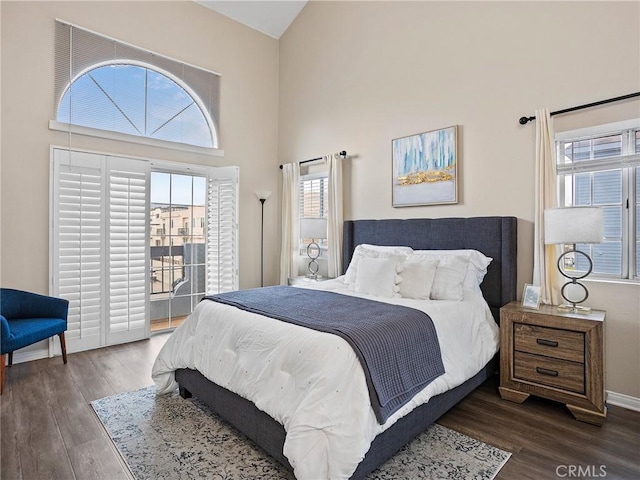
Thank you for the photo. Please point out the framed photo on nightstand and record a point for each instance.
(531, 296)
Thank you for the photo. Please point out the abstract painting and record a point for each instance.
(425, 168)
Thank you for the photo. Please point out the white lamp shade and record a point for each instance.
(573, 225)
(313, 227)
(263, 194)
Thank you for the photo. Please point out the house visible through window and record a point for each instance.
(601, 167)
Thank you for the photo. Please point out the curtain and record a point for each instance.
(545, 270)
(290, 216)
(335, 216)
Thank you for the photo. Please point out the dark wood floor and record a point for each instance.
(48, 429)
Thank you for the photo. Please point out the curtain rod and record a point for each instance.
(525, 120)
(343, 154)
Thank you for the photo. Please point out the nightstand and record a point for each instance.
(302, 280)
(555, 355)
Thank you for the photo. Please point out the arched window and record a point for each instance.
(137, 100)
(102, 84)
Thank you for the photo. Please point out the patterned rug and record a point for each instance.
(167, 437)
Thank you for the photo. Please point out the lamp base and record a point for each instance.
(313, 252)
(569, 289)
(573, 309)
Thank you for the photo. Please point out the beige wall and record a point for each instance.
(354, 75)
(186, 31)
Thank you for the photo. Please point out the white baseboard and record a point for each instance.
(28, 356)
(624, 401)
(43, 351)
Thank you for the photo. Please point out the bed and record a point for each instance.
(495, 237)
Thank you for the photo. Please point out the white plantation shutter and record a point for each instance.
(222, 230)
(100, 254)
(314, 194)
(128, 250)
(77, 245)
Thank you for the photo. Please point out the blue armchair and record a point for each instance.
(28, 318)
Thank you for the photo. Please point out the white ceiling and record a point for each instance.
(266, 16)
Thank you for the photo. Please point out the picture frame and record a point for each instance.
(425, 168)
(531, 296)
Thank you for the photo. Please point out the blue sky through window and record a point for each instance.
(135, 100)
(176, 189)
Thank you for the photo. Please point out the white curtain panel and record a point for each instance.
(335, 217)
(290, 216)
(545, 257)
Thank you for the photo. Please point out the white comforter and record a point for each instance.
(312, 382)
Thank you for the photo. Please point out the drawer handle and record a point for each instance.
(547, 343)
(546, 371)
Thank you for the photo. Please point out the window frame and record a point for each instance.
(323, 243)
(628, 163)
(125, 137)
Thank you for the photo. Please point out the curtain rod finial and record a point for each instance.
(525, 120)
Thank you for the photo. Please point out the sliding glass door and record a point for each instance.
(178, 220)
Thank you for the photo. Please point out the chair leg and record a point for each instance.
(10, 358)
(2, 371)
(63, 346)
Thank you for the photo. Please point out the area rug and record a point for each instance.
(168, 437)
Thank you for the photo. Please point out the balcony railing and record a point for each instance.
(161, 232)
(183, 231)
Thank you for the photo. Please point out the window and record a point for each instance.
(105, 85)
(135, 100)
(601, 167)
(314, 195)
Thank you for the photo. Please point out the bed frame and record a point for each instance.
(493, 236)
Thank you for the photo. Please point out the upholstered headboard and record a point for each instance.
(494, 236)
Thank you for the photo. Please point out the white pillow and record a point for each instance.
(418, 273)
(371, 251)
(478, 263)
(378, 276)
(450, 274)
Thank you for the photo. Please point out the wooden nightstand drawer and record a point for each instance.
(551, 342)
(549, 371)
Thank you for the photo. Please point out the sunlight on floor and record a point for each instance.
(166, 323)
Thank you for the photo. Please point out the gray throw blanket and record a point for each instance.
(396, 345)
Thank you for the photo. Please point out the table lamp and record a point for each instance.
(313, 228)
(569, 226)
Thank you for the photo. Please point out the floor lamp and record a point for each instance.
(262, 195)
